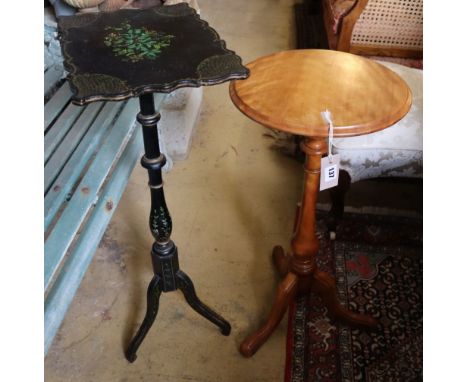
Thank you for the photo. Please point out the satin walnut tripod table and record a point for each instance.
(135, 53)
(288, 91)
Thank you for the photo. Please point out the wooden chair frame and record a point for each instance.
(343, 40)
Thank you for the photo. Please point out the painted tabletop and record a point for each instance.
(117, 55)
(289, 90)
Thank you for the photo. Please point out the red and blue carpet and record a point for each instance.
(377, 263)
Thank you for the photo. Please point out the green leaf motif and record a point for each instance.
(136, 44)
(161, 224)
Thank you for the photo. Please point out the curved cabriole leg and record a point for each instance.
(152, 297)
(186, 286)
(324, 285)
(285, 292)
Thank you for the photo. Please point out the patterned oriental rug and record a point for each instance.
(377, 263)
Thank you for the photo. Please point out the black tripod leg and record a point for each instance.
(186, 286)
(152, 298)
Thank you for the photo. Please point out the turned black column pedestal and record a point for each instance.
(167, 275)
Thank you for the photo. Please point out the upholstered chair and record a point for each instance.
(396, 151)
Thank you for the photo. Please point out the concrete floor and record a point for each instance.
(231, 201)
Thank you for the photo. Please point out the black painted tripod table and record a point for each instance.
(134, 53)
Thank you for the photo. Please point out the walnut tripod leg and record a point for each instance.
(285, 292)
(324, 285)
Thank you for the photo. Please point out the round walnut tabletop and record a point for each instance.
(289, 90)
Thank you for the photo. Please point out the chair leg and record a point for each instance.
(337, 195)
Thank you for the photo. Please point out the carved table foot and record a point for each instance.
(324, 285)
(285, 292)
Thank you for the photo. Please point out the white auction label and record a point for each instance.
(330, 169)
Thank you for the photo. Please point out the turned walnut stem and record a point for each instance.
(305, 243)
